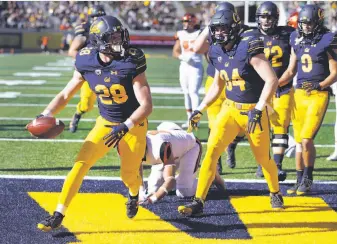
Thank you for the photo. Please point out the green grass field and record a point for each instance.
(56, 158)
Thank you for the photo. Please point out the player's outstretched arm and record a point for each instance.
(176, 49)
(62, 99)
(76, 45)
(201, 44)
(213, 92)
(266, 72)
(143, 95)
(291, 71)
(168, 175)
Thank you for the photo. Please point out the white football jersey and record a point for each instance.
(180, 140)
(187, 40)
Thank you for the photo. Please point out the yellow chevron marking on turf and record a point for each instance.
(101, 218)
(304, 220)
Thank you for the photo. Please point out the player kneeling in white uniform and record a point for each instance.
(170, 149)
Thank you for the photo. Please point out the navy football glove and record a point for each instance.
(116, 134)
(254, 118)
(194, 120)
(309, 86)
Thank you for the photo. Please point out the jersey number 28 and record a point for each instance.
(116, 93)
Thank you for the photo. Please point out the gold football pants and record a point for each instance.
(228, 124)
(309, 111)
(280, 118)
(131, 150)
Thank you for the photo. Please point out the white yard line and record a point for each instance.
(37, 74)
(44, 68)
(93, 120)
(105, 178)
(81, 140)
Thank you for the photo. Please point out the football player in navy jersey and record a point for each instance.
(87, 96)
(277, 50)
(202, 45)
(313, 58)
(250, 83)
(116, 73)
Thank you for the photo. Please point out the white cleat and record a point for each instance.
(332, 157)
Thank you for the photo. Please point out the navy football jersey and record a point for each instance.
(243, 84)
(312, 57)
(277, 49)
(83, 30)
(112, 82)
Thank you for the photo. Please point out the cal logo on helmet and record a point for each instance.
(320, 13)
(95, 29)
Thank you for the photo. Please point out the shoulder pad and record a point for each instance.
(86, 59)
(138, 57)
(250, 33)
(82, 29)
(255, 43)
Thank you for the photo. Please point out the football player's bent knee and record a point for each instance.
(306, 144)
(166, 152)
(85, 105)
(280, 140)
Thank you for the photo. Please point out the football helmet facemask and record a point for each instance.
(310, 20)
(108, 36)
(267, 16)
(224, 26)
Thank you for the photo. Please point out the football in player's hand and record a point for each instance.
(45, 127)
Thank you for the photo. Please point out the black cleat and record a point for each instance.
(74, 122)
(259, 172)
(131, 207)
(305, 186)
(193, 209)
(293, 189)
(276, 201)
(51, 223)
(282, 175)
(231, 161)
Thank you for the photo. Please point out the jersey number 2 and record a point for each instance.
(116, 93)
(276, 52)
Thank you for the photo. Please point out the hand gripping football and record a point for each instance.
(45, 127)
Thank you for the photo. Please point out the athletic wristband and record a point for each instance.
(260, 105)
(129, 124)
(202, 107)
(153, 198)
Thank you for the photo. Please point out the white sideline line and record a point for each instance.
(21, 82)
(114, 178)
(71, 105)
(81, 141)
(93, 120)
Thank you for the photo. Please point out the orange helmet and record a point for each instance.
(190, 18)
(293, 19)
